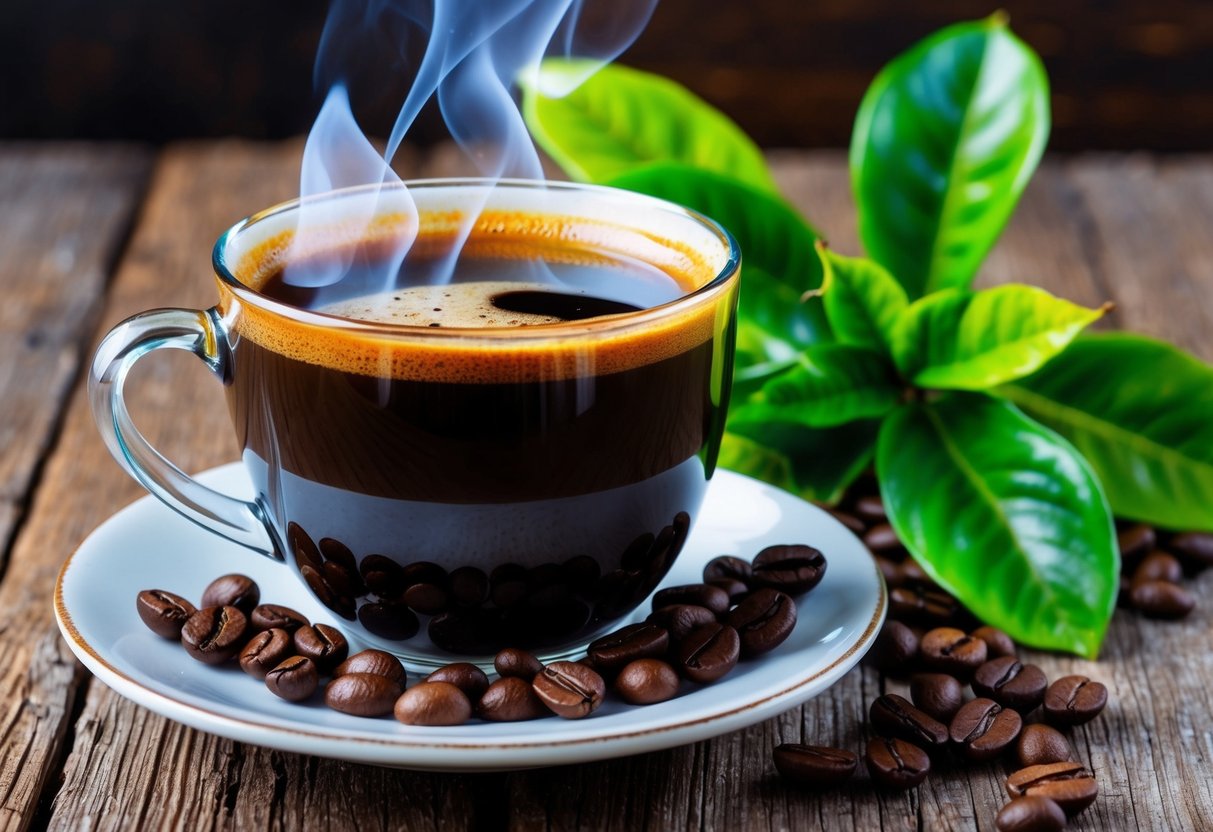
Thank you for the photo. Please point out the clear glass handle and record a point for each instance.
(199, 332)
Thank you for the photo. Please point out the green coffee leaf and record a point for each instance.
(1139, 411)
(745, 456)
(945, 141)
(1004, 514)
(773, 324)
(862, 300)
(961, 340)
(822, 461)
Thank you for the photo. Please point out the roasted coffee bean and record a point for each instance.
(269, 616)
(794, 569)
(815, 766)
(514, 662)
(954, 651)
(469, 586)
(324, 645)
(882, 540)
(635, 641)
(709, 653)
(647, 681)
(1010, 683)
(239, 591)
(871, 509)
(1135, 543)
(1194, 549)
(362, 694)
(893, 716)
(727, 566)
(422, 572)
(433, 703)
(896, 648)
(890, 570)
(764, 620)
(163, 612)
(896, 764)
(937, 694)
(853, 524)
(736, 590)
(918, 604)
(912, 574)
(680, 619)
(1161, 599)
(1030, 814)
(983, 729)
(1069, 785)
(382, 575)
(510, 700)
(1040, 744)
(580, 572)
(998, 643)
(464, 675)
(469, 631)
(390, 620)
(701, 595)
(213, 635)
(509, 583)
(265, 651)
(294, 680)
(1158, 566)
(569, 690)
(378, 662)
(1073, 700)
(427, 599)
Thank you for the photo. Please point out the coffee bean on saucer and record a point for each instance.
(727, 566)
(422, 572)
(269, 616)
(509, 584)
(469, 586)
(1040, 744)
(764, 620)
(510, 700)
(881, 540)
(1030, 814)
(896, 764)
(680, 619)
(213, 635)
(1073, 700)
(362, 694)
(998, 643)
(896, 648)
(514, 662)
(1010, 683)
(647, 681)
(635, 641)
(794, 569)
(324, 645)
(433, 703)
(709, 653)
(1135, 542)
(1194, 549)
(984, 729)
(736, 590)
(294, 679)
(870, 509)
(953, 651)
(814, 766)
(569, 690)
(701, 595)
(893, 716)
(265, 651)
(1069, 785)
(239, 591)
(1158, 566)
(937, 694)
(464, 675)
(919, 604)
(1161, 599)
(378, 662)
(163, 612)
(394, 621)
(427, 599)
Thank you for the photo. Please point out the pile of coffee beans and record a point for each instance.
(1153, 562)
(696, 633)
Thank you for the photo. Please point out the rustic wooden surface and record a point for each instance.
(75, 755)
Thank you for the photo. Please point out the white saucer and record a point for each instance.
(146, 546)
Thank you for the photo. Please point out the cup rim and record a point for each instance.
(612, 323)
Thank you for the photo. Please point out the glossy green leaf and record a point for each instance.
(822, 461)
(745, 456)
(831, 384)
(619, 119)
(945, 141)
(862, 300)
(1004, 514)
(773, 323)
(1141, 412)
(961, 340)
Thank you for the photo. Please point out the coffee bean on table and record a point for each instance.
(1030, 814)
(814, 765)
(635, 641)
(1195, 549)
(433, 703)
(890, 570)
(918, 604)
(736, 590)
(515, 662)
(984, 729)
(569, 690)
(764, 620)
(702, 595)
(265, 651)
(1158, 566)
(1069, 785)
(378, 662)
(1135, 542)
(881, 539)
(794, 569)
(510, 700)
(896, 648)
(871, 509)
(727, 566)
(954, 651)
(893, 716)
(896, 764)
(269, 616)
(647, 681)
(163, 612)
(294, 679)
(362, 694)
(324, 645)
(464, 675)
(239, 591)
(853, 524)
(213, 635)
(680, 619)
(1073, 700)
(937, 694)
(1161, 599)
(998, 643)
(1011, 683)
(1040, 744)
(708, 653)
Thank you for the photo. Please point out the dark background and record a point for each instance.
(1124, 74)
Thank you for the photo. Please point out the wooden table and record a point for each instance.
(90, 234)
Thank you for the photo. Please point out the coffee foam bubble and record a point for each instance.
(451, 305)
